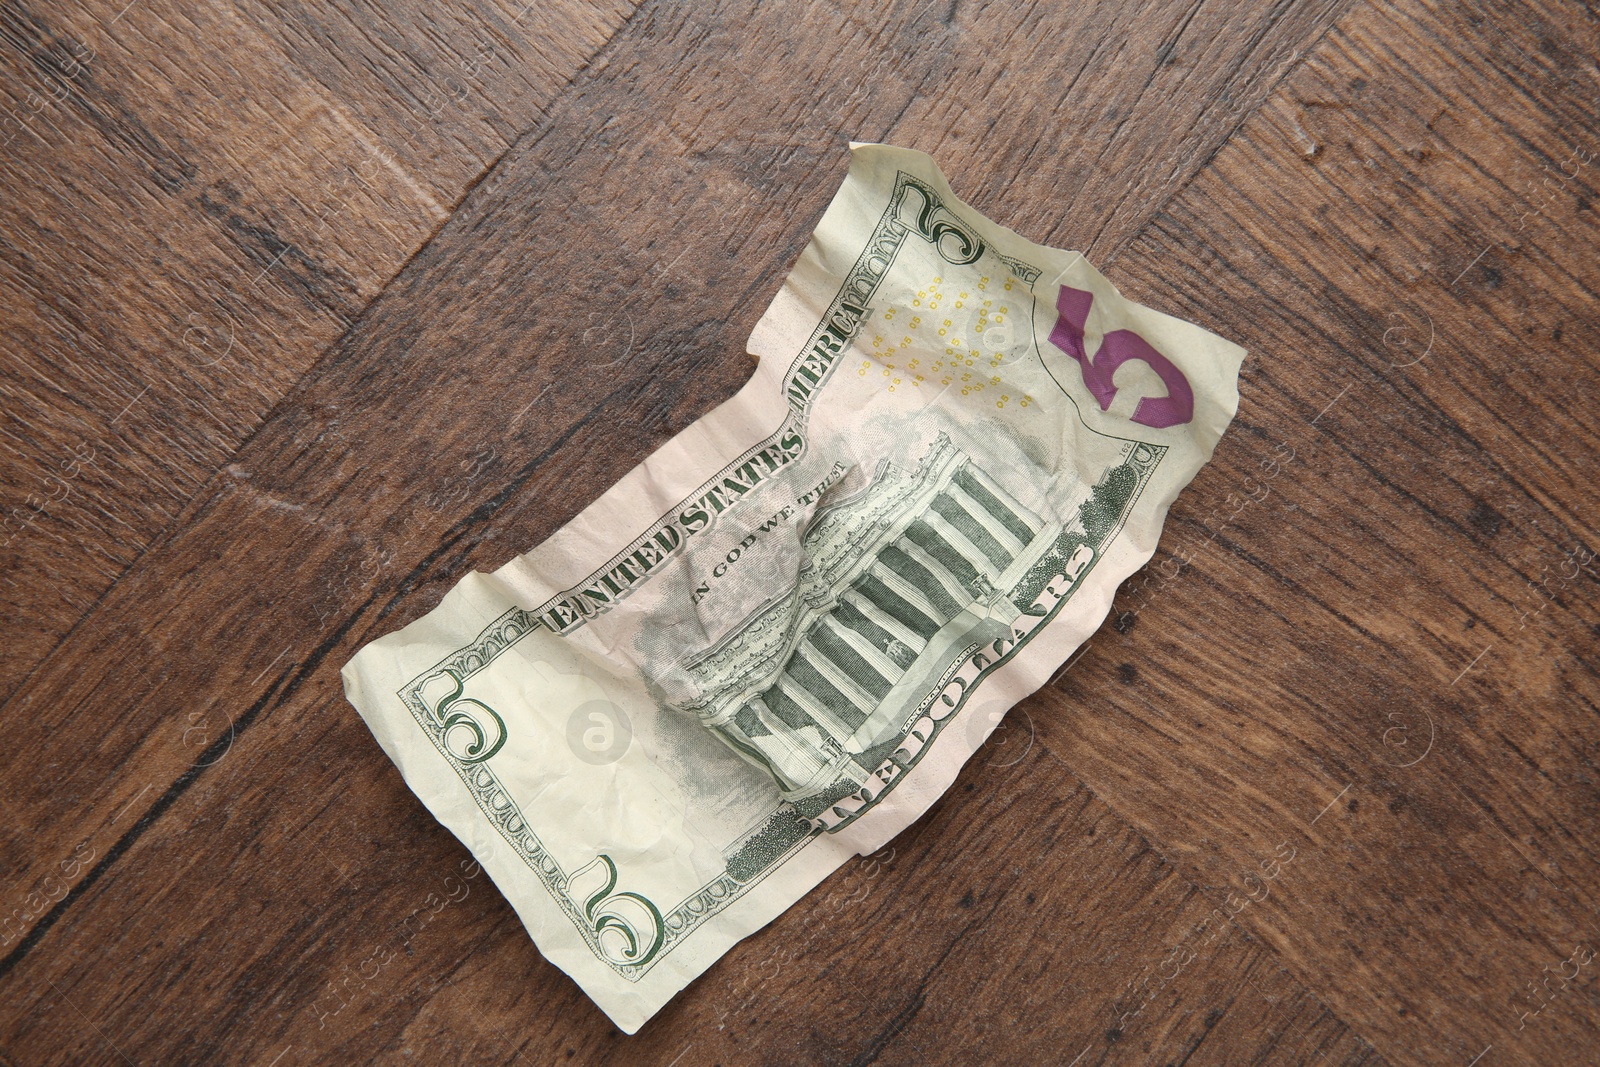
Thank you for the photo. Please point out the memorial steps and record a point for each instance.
(931, 574)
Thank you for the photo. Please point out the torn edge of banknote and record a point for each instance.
(774, 643)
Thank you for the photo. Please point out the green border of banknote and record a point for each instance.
(623, 929)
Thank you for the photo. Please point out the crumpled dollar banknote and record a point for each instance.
(772, 645)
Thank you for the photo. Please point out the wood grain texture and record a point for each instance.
(209, 859)
(200, 199)
(1408, 229)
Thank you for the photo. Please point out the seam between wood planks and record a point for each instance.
(1344, 9)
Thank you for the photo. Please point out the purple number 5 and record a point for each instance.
(1117, 348)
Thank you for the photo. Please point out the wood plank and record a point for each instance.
(200, 200)
(1387, 644)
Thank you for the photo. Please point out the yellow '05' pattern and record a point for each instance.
(974, 329)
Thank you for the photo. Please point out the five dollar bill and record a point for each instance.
(772, 645)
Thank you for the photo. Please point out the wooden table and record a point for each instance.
(311, 309)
